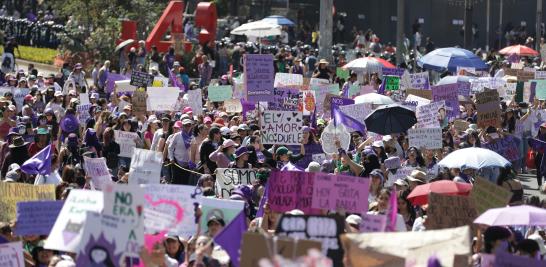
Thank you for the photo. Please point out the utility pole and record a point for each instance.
(500, 25)
(538, 25)
(325, 27)
(487, 25)
(400, 30)
(468, 24)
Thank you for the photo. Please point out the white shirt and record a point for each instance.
(52, 178)
(177, 149)
(155, 139)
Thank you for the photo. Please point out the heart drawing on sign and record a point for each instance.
(279, 115)
(298, 120)
(289, 119)
(294, 114)
(179, 210)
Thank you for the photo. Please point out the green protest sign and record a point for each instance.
(392, 83)
(342, 73)
(220, 93)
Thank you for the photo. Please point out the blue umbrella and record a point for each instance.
(279, 20)
(473, 157)
(450, 58)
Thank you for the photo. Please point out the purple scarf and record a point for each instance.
(186, 137)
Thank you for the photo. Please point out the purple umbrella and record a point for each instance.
(516, 215)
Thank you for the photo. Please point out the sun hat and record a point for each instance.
(241, 151)
(225, 130)
(417, 176)
(18, 141)
(14, 167)
(353, 219)
(323, 61)
(378, 144)
(401, 182)
(228, 143)
(313, 167)
(243, 127)
(392, 163)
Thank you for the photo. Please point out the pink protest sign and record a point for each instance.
(333, 192)
(290, 190)
(373, 223)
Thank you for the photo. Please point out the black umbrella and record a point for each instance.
(390, 119)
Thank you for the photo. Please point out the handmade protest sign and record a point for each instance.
(464, 88)
(113, 78)
(219, 208)
(139, 102)
(145, 167)
(308, 101)
(508, 147)
(233, 105)
(399, 173)
(358, 112)
(11, 254)
(124, 86)
(160, 81)
(373, 223)
(288, 80)
(449, 93)
(285, 99)
(82, 112)
(487, 195)
(505, 259)
(311, 152)
(354, 90)
(228, 179)
(419, 80)
(524, 75)
(392, 71)
(461, 125)
(479, 84)
(19, 96)
(321, 91)
(36, 217)
(105, 240)
(98, 171)
(163, 203)
(416, 101)
(290, 190)
(126, 141)
(427, 94)
(162, 98)
(428, 115)
(67, 230)
(446, 211)
(12, 193)
(281, 127)
(342, 73)
(124, 201)
(326, 229)
(141, 79)
(220, 93)
(430, 138)
(333, 132)
(540, 89)
(340, 192)
(259, 77)
(488, 107)
(392, 83)
(195, 101)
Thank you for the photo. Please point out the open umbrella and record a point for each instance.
(123, 44)
(454, 79)
(449, 59)
(257, 29)
(473, 157)
(519, 50)
(279, 20)
(389, 119)
(419, 195)
(516, 215)
(368, 64)
(374, 98)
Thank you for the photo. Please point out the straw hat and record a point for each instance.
(417, 176)
(323, 61)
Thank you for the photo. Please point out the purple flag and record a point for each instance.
(39, 163)
(314, 118)
(381, 89)
(392, 211)
(291, 167)
(342, 118)
(231, 237)
(260, 212)
(176, 82)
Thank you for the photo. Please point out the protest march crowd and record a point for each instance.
(275, 159)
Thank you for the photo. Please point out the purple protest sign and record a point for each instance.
(331, 102)
(464, 88)
(37, 217)
(449, 93)
(285, 99)
(334, 192)
(504, 259)
(372, 223)
(259, 77)
(112, 78)
(508, 147)
(290, 190)
(392, 71)
(310, 150)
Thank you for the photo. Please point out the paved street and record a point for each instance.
(529, 183)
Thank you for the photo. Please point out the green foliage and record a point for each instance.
(40, 55)
(221, 7)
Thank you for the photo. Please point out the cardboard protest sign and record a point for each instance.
(333, 132)
(84, 98)
(318, 81)
(139, 101)
(170, 208)
(141, 79)
(461, 125)
(392, 83)
(281, 127)
(446, 211)
(401, 249)
(327, 229)
(162, 98)
(290, 190)
(430, 138)
(11, 254)
(126, 141)
(321, 91)
(67, 230)
(488, 107)
(195, 101)
(219, 208)
(416, 101)
(342, 73)
(428, 115)
(233, 105)
(124, 86)
(82, 112)
(288, 80)
(340, 192)
(12, 193)
(508, 147)
(308, 102)
(419, 80)
(487, 195)
(124, 201)
(36, 217)
(220, 93)
(259, 77)
(228, 179)
(285, 99)
(373, 223)
(358, 112)
(449, 93)
(105, 241)
(145, 167)
(331, 101)
(354, 90)
(98, 171)
(427, 94)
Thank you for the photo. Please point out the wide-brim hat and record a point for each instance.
(417, 176)
(323, 61)
(18, 141)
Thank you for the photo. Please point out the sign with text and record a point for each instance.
(98, 171)
(428, 115)
(37, 217)
(139, 102)
(220, 93)
(12, 193)
(195, 101)
(449, 93)
(126, 141)
(487, 195)
(233, 105)
(145, 166)
(372, 223)
(228, 179)
(488, 107)
(358, 112)
(288, 79)
(429, 138)
(508, 147)
(141, 79)
(11, 254)
(392, 83)
(259, 77)
(419, 80)
(281, 127)
(449, 211)
(290, 190)
(162, 98)
(285, 99)
(340, 192)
